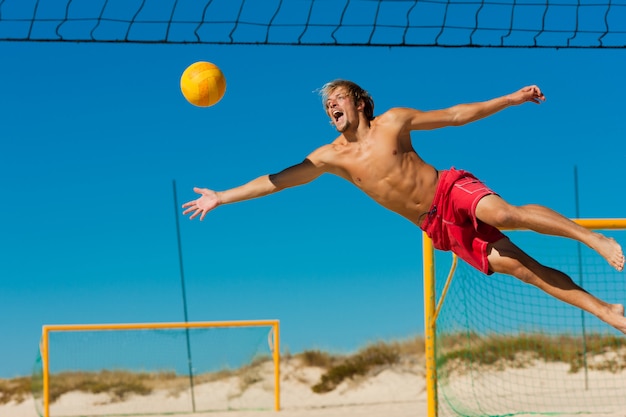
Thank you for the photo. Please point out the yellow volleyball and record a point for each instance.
(203, 84)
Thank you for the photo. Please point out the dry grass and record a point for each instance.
(600, 352)
(357, 365)
(369, 359)
(16, 389)
(496, 352)
(118, 384)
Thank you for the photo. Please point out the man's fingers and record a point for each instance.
(190, 206)
(193, 208)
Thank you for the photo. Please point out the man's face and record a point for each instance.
(340, 108)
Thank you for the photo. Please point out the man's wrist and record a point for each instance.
(219, 197)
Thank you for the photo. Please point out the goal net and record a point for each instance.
(503, 347)
(157, 368)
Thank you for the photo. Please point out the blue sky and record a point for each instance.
(92, 136)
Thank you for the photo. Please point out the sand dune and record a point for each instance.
(393, 391)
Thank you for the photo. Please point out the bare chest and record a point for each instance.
(370, 164)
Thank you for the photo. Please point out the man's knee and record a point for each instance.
(505, 216)
(495, 211)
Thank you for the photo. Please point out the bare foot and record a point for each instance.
(616, 317)
(617, 309)
(610, 250)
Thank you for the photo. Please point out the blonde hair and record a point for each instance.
(354, 90)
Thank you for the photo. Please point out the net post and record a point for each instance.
(276, 356)
(428, 258)
(45, 371)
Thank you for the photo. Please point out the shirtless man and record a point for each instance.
(454, 208)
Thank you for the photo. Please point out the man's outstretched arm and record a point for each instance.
(298, 174)
(466, 113)
(461, 114)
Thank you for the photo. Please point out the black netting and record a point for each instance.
(452, 23)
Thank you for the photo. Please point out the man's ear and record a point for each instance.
(360, 105)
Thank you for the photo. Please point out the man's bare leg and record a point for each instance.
(505, 257)
(493, 210)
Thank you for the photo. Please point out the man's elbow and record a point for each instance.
(275, 180)
(280, 181)
(295, 175)
(456, 116)
(462, 114)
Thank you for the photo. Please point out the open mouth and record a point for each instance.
(337, 115)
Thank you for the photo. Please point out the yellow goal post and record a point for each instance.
(273, 341)
(433, 305)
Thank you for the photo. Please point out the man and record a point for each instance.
(454, 208)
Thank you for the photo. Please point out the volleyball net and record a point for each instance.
(498, 346)
(157, 368)
(387, 23)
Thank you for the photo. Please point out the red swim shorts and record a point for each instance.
(451, 222)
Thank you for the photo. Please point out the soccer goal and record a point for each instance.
(496, 346)
(157, 368)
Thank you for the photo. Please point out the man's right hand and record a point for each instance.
(531, 93)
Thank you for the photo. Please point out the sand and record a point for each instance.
(392, 392)
(395, 391)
